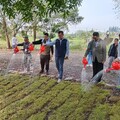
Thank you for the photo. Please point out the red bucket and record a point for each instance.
(42, 48)
(116, 65)
(85, 62)
(31, 47)
(16, 50)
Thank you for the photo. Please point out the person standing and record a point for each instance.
(61, 53)
(113, 52)
(98, 48)
(14, 41)
(45, 55)
(107, 34)
(27, 54)
(118, 60)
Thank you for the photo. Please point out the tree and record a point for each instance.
(35, 12)
(34, 24)
(39, 7)
(114, 29)
(58, 22)
(3, 21)
(6, 32)
(16, 24)
(117, 7)
(54, 23)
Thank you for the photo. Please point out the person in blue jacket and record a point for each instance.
(61, 52)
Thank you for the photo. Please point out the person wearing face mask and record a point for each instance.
(98, 48)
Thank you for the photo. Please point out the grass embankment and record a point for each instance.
(25, 98)
(75, 43)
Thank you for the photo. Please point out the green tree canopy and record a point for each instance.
(39, 7)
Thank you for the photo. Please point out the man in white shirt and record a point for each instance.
(14, 41)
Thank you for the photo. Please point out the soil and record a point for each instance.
(72, 66)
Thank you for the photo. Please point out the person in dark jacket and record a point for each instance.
(44, 55)
(118, 60)
(113, 52)
(27, 54)
(98, 48)
(61, 53)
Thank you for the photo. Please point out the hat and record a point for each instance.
(25, 37)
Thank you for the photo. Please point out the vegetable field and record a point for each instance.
(41, 98)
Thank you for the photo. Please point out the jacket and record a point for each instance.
(89, 48)
(98, 50)
(110, 50)
(25, 47)
(61, 47)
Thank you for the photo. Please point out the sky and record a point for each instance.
(98, 15)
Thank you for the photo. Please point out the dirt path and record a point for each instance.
(72, 67)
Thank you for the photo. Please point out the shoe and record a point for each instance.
(25, 70)
(42, 71)
(31, 68)
(90, 65)
(47, 73)
(59, 80)
(58, 75)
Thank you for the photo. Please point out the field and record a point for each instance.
(24, 97)
(41, 98)
(76, 42)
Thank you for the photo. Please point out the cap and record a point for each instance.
(25, 37)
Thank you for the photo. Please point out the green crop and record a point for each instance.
(25, 98)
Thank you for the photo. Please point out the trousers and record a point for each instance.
(59, 66)
(44, 61)
(97, 67)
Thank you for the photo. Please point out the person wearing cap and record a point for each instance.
(98, 48)
(27, 54)
(61, 53)
(45, 55)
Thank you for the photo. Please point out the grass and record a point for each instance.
(75, 43)
(25, 98)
